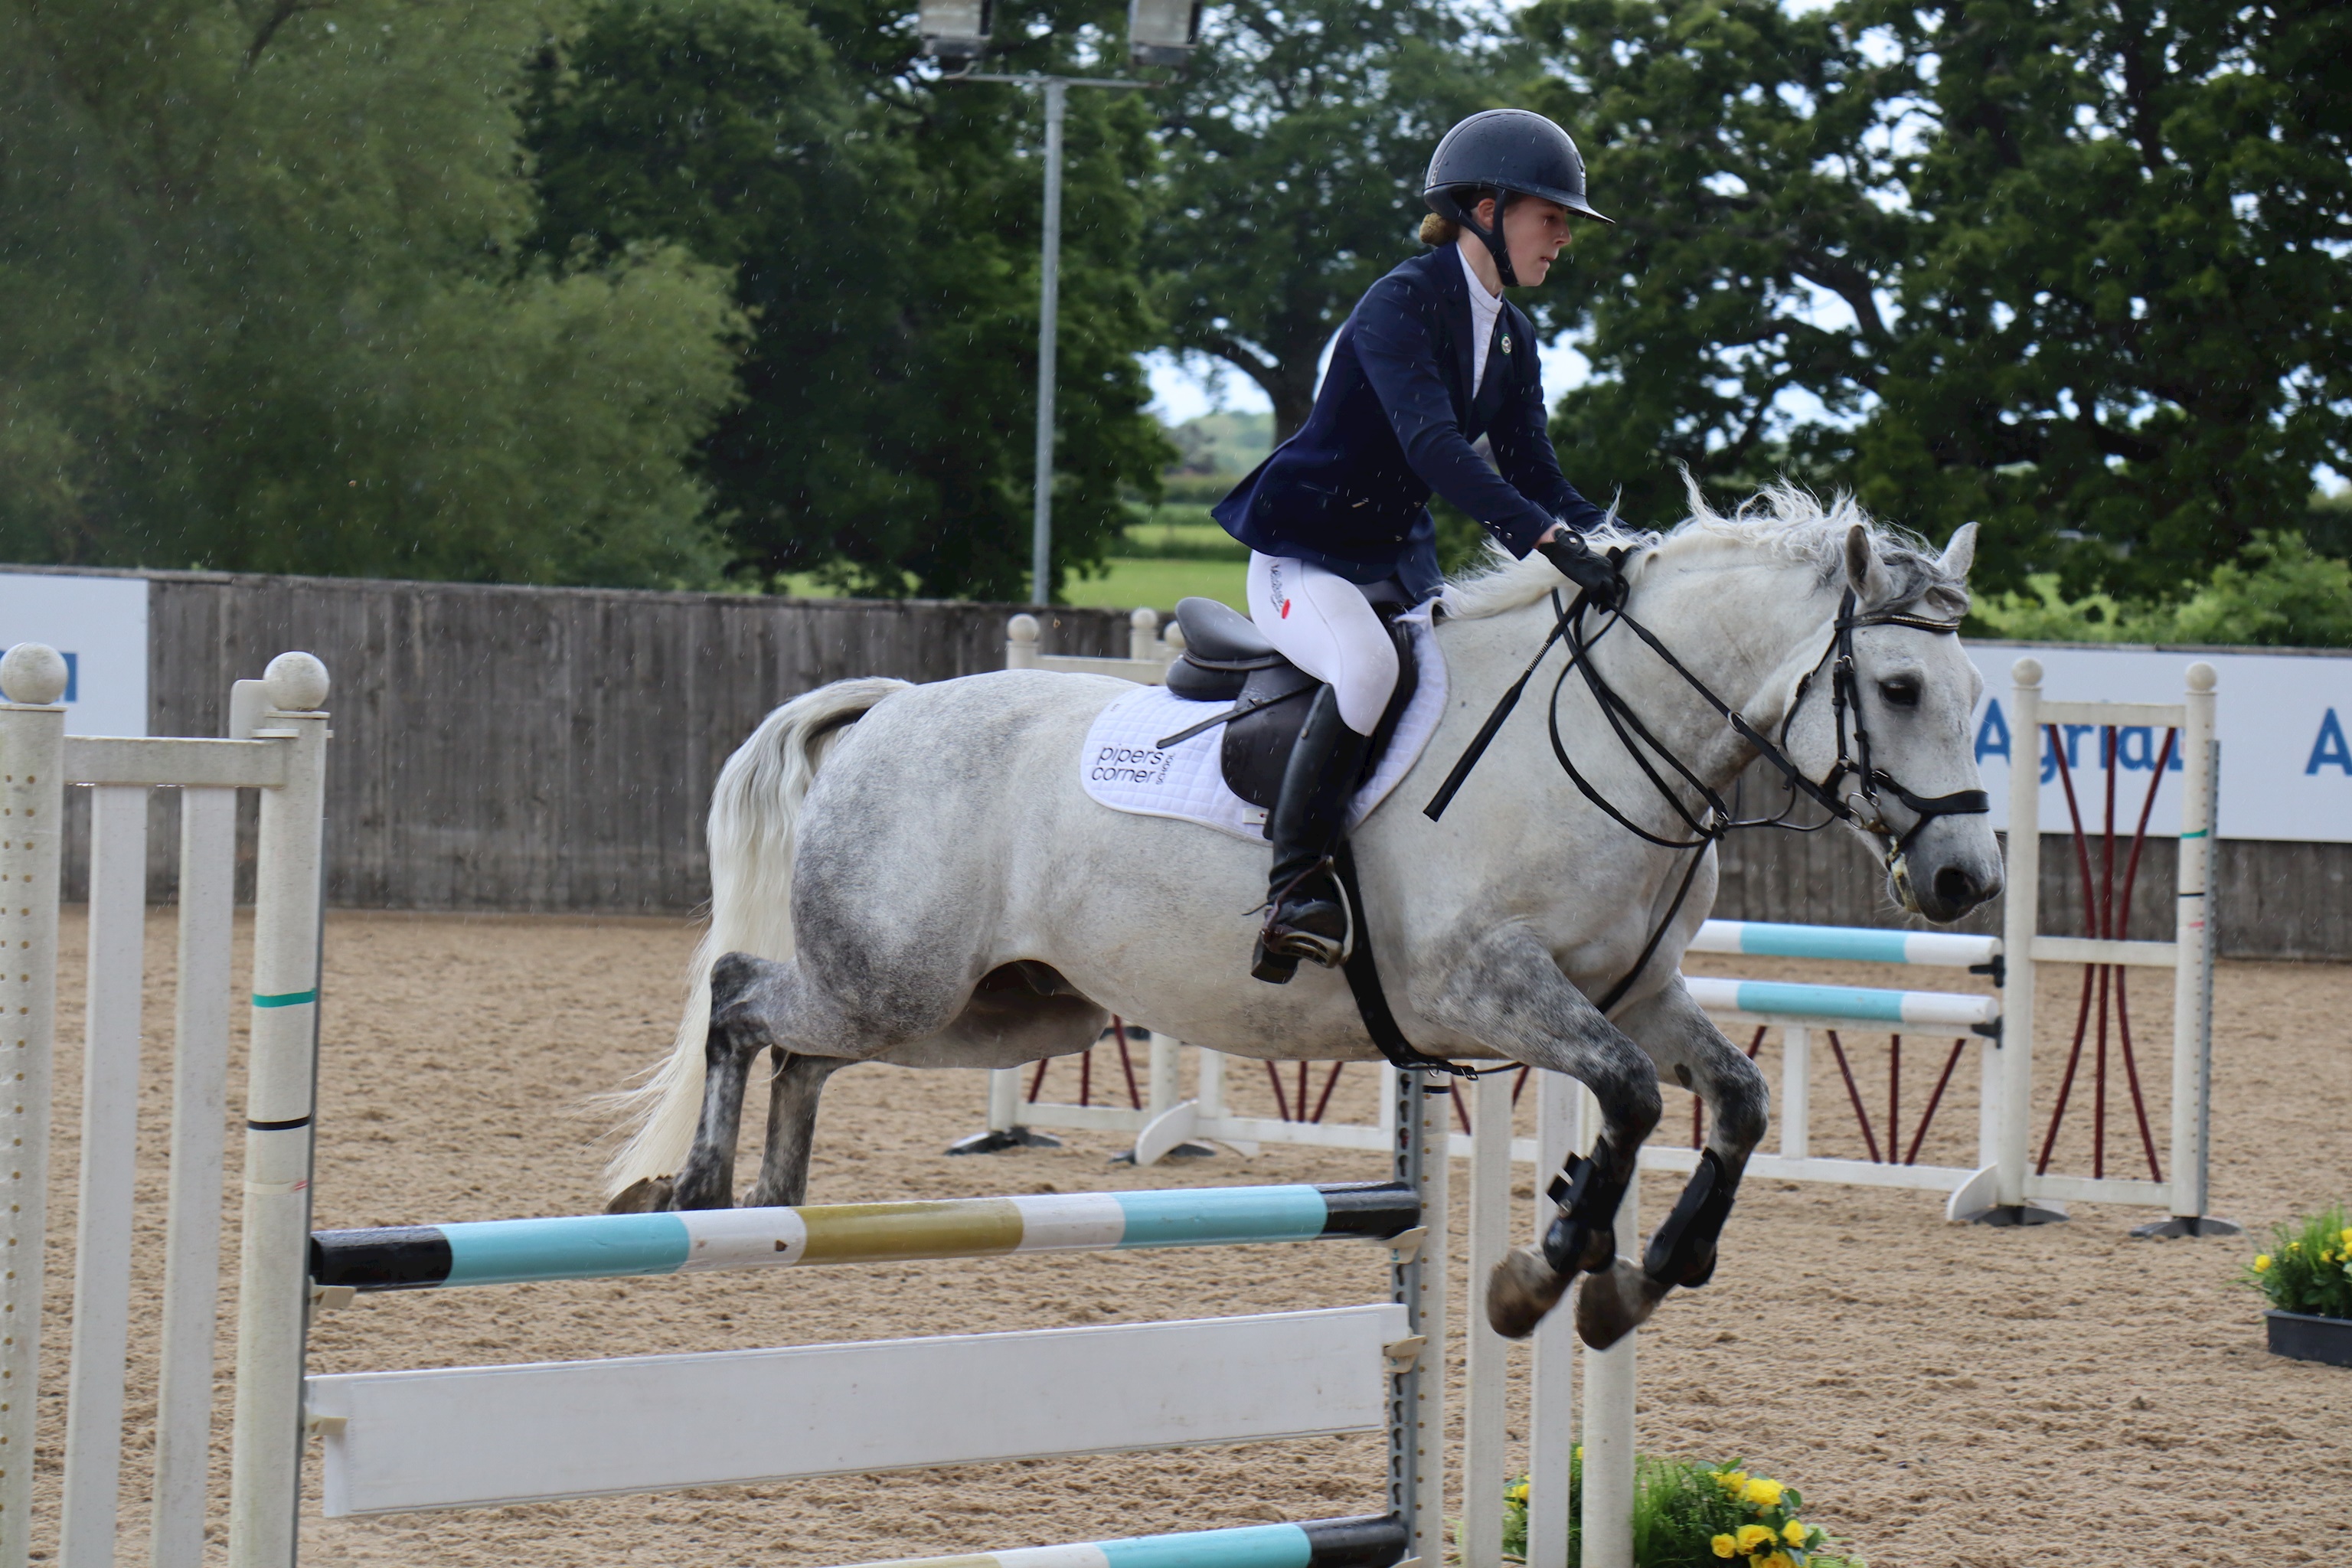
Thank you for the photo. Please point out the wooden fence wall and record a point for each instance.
(550, 749)
(536, 749)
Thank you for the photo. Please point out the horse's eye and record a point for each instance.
(1901, 692)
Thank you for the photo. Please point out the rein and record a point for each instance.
(1853, 757)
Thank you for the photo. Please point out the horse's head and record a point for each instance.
(1903, 759)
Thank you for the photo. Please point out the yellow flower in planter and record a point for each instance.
(1724, 1546)
(1730, 1481)
(2261, 1262)
(1763, 1493)
(1753, 1536)
(2348, 1237)
(1778, 1559)
(1793, 1533)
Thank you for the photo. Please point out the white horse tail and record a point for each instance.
(754, 815)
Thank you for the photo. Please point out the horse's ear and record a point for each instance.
(1863, 569)
(1961, 553)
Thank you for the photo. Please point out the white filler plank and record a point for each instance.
(472, 1436)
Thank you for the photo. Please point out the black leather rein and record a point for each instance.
(1853, 757)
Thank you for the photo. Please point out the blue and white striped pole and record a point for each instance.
(597, 1246)
(1366, 1543)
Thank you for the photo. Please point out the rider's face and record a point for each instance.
(1534, 230)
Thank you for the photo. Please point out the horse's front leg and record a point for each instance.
(1505, 992)
(1687, 1047)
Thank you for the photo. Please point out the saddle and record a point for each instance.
(1227, 660)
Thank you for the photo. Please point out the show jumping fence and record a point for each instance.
(486, 1435)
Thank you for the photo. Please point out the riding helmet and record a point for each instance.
(1504, 152)
(1514, 150)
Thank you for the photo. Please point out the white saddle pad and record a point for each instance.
(1125, 767)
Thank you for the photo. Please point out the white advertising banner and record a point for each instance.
(99, 624)
(2281, 720)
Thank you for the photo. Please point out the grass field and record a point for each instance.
(1160, 583)
(1181, 552)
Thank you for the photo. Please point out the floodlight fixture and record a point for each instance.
(955, 30)
(1162, 32)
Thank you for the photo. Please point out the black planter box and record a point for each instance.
(2307, 1338)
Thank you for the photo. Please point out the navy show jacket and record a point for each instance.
(1394, 420)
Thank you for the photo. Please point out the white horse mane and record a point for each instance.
(1782, 520)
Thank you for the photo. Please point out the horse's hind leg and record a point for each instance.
(755, 1006)
(707, 1179)
(1682, 1252)
(794, 1088)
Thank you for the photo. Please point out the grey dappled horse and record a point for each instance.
(914, 875)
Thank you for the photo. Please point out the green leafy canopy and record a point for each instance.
(2074, 268)
(267, 312)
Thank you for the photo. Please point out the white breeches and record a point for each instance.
(1323, 623)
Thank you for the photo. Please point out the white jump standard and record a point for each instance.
(276, 747)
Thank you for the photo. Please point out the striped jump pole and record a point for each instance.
(597, 1246)
(1370, 1542)
(1853, 944)
(1772, 1000)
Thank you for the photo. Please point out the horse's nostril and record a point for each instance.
(1954, 888)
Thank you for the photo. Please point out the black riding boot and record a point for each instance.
(1306, 918)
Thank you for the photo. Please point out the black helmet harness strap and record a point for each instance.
(1495, 245)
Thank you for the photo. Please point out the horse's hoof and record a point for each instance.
(1614, 1303)
(1522, 1288)
(647, 1195)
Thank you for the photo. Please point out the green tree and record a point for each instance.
(2073, 267)
(2127, 320)
(1295, 149)
(266, 311)
(882, 231)
(1743, 151)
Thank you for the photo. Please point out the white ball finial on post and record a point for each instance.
(1143, 634)
(1021, 642)
(2204, 677)
(34, 674)
(296, 683)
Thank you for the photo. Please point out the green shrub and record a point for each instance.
(2279, 592)
(2309, 1267)
(1689, 1514)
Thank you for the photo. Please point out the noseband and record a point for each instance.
(1853, 754)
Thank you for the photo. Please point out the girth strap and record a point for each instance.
(1364, 974)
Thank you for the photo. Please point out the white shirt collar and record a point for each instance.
(1484, 309)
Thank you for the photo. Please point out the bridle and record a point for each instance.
(1845, 696)
(1853, 754)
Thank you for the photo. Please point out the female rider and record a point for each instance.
(1431, 358)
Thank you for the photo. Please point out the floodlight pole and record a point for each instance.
(1049, 310)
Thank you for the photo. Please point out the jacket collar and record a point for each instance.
(1444, 268)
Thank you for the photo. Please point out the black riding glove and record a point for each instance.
(1596, 575)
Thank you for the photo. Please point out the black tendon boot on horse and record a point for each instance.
(1305, 916)
(1582, 1238)
(1614, 1303)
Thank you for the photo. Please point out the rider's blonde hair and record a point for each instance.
(1437, 230)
